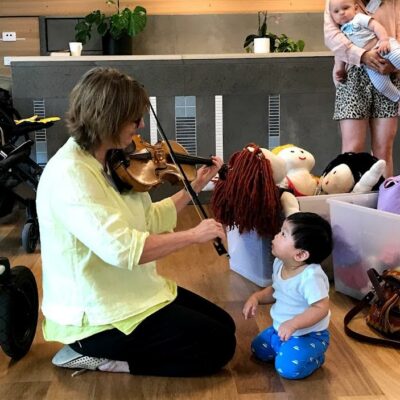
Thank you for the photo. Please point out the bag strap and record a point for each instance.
(359, 336)
(376, 281)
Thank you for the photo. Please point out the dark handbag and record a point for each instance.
(384, 312)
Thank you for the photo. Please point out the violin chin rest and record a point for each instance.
(174, 176)
(169, 176)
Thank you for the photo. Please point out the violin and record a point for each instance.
(145, 166)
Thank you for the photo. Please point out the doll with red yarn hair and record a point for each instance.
(248, 198)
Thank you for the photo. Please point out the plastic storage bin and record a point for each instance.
(364, 238)
(250, 256)
(320, 206)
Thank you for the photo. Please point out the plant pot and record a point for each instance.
(122, 46)
(261, 45)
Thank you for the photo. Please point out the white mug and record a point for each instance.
(75, 48)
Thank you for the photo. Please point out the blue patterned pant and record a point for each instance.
(296, 358)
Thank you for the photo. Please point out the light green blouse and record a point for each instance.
(69, 333)
(92, 238)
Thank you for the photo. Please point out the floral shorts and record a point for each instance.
(357, 98)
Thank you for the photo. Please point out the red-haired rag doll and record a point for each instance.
(247, 196)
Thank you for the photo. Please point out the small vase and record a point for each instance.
(122, 46)
(261, 45)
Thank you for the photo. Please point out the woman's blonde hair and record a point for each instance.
(101, 102)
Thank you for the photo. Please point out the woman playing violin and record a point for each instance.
(102, 296)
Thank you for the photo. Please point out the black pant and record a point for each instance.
(189, 337)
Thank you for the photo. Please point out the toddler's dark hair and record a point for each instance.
(312, 233)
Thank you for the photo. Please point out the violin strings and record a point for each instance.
(183, 176)
(184, 181)
(193, 195)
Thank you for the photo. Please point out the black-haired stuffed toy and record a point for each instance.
(352, 172)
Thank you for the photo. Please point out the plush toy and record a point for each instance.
(247, 197)
(389, 195)
(350, 268)
(299, 163)
(352, 172)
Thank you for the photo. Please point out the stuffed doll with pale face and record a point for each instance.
(352, 172)
(247, 196)
(299, 163)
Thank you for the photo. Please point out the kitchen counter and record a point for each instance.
(174, 57)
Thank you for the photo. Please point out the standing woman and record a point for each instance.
(358, 105)
(102, 295)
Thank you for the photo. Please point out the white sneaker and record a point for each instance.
(68, 358)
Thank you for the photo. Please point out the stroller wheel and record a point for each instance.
(30, 236)
(18, 311)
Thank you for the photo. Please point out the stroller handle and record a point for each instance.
(11, 160)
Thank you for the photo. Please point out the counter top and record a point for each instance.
(173, 57)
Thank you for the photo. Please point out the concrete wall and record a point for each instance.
(223, 33)
(168, 34)
(303, 83)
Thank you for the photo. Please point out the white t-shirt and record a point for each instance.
(294, 295)
(357, 30)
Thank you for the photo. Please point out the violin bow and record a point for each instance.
(219, 247)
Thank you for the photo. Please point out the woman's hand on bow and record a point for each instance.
(208, 229)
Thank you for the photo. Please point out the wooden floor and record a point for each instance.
(353, 371)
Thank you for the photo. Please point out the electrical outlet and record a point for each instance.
(9, 36)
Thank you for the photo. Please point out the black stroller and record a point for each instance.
(19, 174)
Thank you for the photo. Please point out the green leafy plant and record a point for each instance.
(124, 22)
(285, 44)
(277, 43)
(261, 32)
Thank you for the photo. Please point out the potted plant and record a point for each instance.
(261, 33)
(116, 30)
(278, 44)
(285, 44)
